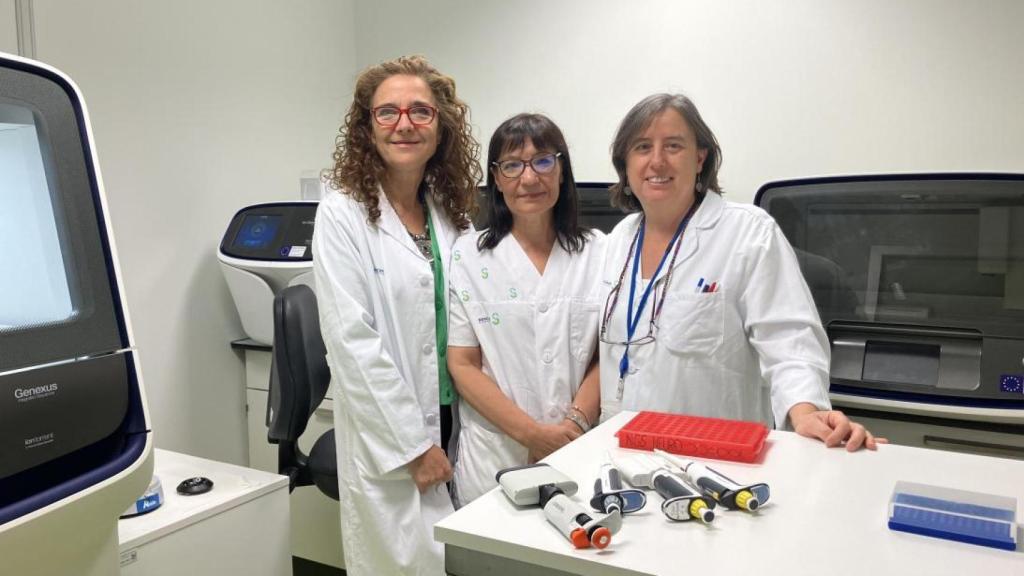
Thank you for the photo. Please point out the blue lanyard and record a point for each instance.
(632, 321)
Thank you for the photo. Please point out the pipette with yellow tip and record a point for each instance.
(721, 488)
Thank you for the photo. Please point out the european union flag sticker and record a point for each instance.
(1013, 383)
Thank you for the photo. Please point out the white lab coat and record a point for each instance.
(376, 297)
(748, 351)
(537, 335)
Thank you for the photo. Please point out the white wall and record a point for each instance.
(201, 107)
(198, 108)
(8, 28)
(791, 89)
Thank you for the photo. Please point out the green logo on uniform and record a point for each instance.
(465, 295)
(512, 293)
(457, 255)
(483, 273)
(495, 318)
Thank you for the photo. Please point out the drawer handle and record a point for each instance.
(972, 446)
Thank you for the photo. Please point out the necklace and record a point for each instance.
(422, 242)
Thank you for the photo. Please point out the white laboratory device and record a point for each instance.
(75, 440)
(267, 248)
(544, 486)
(522, 483)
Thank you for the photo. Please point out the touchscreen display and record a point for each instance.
(33, 258)
(257, 231)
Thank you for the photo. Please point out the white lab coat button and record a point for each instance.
(427, 349)
(547, 357)
(430, 419)
(543, 307)
(424, 280)
(553, 412)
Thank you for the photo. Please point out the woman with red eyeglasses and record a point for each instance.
(405, 172)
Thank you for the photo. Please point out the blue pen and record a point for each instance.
(699, 284)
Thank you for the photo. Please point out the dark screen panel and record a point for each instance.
(901, 363)
(95, 325)
(940, 250)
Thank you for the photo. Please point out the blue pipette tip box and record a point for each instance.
(972, 517)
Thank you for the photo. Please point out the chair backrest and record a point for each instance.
(299, 375)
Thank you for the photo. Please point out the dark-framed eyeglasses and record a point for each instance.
(418, 115)
(540, 164)
(660, 292)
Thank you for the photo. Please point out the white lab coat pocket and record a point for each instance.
(693, 324)
(482, 452)
(584, 323)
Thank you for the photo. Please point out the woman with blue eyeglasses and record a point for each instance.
(707, 312)
(525, 308)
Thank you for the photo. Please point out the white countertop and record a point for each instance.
(232, 486)
(827, 515)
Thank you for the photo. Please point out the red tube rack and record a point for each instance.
(715, 438)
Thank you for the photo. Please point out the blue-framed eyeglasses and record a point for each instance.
(540, 164)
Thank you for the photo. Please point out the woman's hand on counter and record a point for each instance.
(832, 427)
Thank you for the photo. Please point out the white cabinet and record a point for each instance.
(315, 521)
(238, 527)
(942, 437)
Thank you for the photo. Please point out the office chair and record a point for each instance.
(299, 377)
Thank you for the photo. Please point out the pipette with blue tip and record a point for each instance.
(611, 494)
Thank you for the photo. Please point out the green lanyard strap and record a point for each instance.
(444, 380)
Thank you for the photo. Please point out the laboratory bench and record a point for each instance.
(239, 527)
(316, 534)
(827, 514)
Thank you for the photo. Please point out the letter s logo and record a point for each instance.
(484, 273)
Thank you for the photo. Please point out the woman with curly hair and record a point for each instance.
(405, 170)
